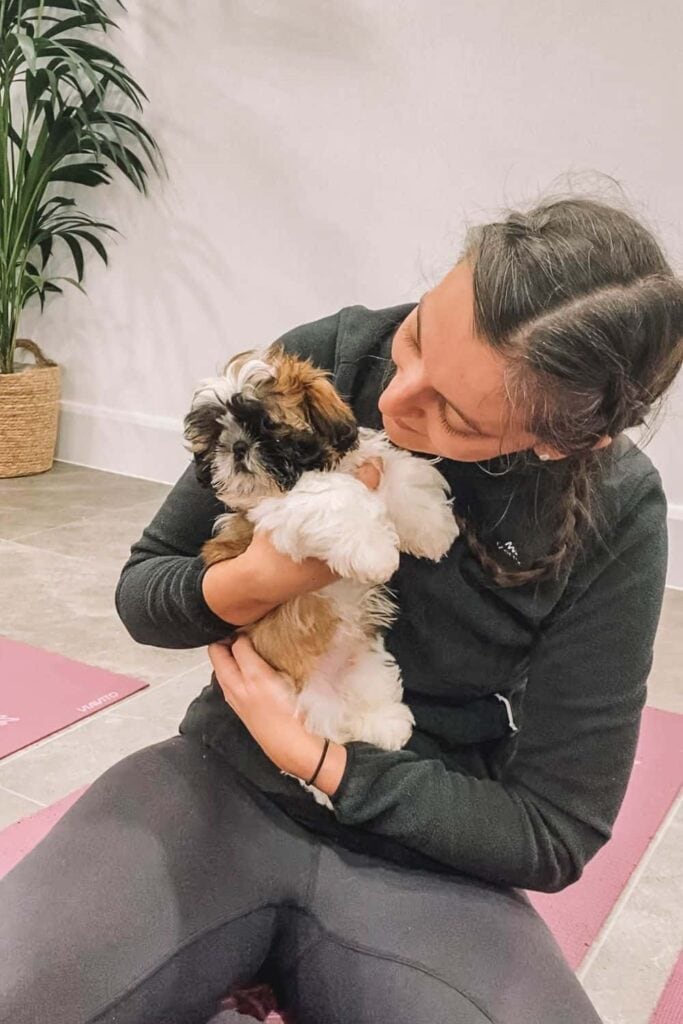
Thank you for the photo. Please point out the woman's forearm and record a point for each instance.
(242, 590)
(229, 589)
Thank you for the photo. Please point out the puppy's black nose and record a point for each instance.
(240, 449)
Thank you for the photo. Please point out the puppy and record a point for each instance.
(279, 447)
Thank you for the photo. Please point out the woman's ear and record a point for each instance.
(604, 442)
(547, 454)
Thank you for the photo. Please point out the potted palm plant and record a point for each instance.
(63, 129)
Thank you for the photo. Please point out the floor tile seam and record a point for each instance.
(31, 799)
(150, 690)
(109, 712)
(629, 889)
(92, 563)
(79, 520)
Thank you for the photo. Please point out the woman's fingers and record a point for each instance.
(226, 668)
(220, 655)
(248, 661)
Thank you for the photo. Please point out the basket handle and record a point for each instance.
(35, 350)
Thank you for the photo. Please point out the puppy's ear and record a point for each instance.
(306, 395)
(330, 416)
(201, 428)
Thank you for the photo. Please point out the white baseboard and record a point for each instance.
(151, 447)
(131, 443)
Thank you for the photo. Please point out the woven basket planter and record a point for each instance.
(29, 414)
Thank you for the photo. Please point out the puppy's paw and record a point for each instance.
(388, 726)
(333, 517)
(416, 496)
(371, 558)
(433, 536)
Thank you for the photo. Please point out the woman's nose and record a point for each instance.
(406, 395)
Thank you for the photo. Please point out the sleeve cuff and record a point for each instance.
(208, 618)
(362, 789)
(348, 771)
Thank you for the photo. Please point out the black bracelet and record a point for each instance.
(314, 776)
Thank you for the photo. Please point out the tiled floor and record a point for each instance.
(64, 536)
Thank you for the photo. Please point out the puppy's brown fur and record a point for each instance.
(292, 636)
(301, 394)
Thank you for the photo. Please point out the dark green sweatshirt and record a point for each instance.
(525, 808)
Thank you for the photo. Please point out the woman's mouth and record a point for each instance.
(405, 426)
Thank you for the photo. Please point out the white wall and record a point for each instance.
(323, 154)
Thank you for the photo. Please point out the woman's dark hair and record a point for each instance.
(580, 299)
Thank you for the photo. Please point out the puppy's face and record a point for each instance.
(266, 420)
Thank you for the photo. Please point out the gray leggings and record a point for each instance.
(171, 880)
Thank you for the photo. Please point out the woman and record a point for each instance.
(195, 864)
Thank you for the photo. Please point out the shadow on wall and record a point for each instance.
(247, 194)
(252, 69)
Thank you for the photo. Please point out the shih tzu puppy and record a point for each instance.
(279, 447)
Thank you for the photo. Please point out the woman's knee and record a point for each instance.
(337, 983)
(484, 943)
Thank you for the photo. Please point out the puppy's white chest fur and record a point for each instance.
(359, 532)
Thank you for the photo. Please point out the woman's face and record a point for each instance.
(448, 394)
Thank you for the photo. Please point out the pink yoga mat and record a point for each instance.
(41, 693)
(670, 1006)
(576, 915)
(19, 839)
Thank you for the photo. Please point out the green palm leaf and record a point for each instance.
(69, 129)
(76, 252)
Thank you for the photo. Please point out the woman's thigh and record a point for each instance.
(378, 943)
(155, 893)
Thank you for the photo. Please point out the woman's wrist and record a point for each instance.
(332, 770)
(308, 757)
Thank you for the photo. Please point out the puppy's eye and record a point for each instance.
(269, 423)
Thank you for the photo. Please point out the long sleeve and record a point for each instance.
(556, 787)
(159, 594)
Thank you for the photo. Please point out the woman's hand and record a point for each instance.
(265, 703)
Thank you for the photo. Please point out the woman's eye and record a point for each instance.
(453, 431)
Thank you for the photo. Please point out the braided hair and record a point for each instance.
(578, 297)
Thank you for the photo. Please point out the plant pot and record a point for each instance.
(29, 414)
